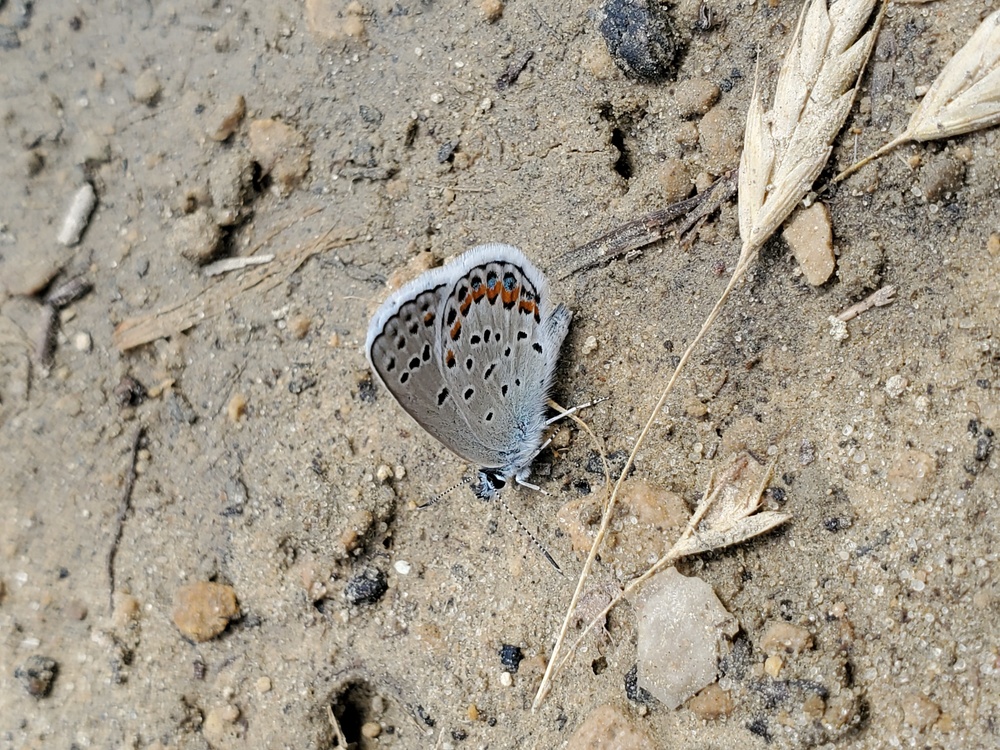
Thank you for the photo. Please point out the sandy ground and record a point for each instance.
(889, 560)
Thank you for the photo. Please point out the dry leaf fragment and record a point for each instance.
(786, 148)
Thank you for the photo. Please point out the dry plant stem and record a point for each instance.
(964, 97)
(784, 152)
(550, 670)
(123, 507)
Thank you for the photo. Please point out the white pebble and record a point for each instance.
(437, 97)
(590, 344)
(402, 567)
(895, 386)
(78, 215)
(81, 341)
(505, 679)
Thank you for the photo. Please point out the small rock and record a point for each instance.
(810, 236)
(226, 118)
(506, 680)
(720, 134)
(82, 341)
(129, 392)
(772, 665)
(590, 345)
(940, 177)
(993, 245)
(609, 728)
(220, 728)
(78, 215)
(919, 711)
(840, 711)
(94, 149)
(785, 638)
(371, 729)
(367, 587)
(335, 20)
(896, 385)
(236, 407)
(681, 629)
(695, 96)
(263, 685)
(202, 610)
(230, 184)
(299, 326)
(687, 134)
(640, 37)
(911, 475)
(492, 10)
(37, 675)
(281, 152)
(147, 88)
(510, 657)
(711, 703)
(674, 179)
(195, 237)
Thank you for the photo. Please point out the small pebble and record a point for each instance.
(78, 215)
(695, 96)
(590, 345)
(640, 37)
(942, 176)
(202, 610)
(895, 386)
(281, 152)
(237, 407)
(196, 237)
(371, 729)
(510, 657)
(674, 180)
(299, 326)
(505, 679)
(36, 675)
(147, 88)
(472, 712)
(94, 149)
(687, 134)
(492, 10)
(784, 637)
(919, 711)
(383, 473)
(711, 703)
(81, 341)
(402, 567)
(772, 665)
(366, 587)
(263, 685)
(721, 138)
(810, 236)
(226, 118)
(993, 245)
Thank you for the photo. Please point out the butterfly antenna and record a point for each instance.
(434, 500)
(531, 536)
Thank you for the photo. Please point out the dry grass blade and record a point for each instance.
(785, 149)
(964, 97)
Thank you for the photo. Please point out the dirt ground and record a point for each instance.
(269, 463)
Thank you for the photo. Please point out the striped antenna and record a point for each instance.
(437, 497)
(531, 536)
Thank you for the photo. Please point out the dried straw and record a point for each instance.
(784, 151)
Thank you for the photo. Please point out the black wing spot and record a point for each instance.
(390, 365)
(517, 382)
(413, 327)
(509, 281)
(489, 371)
(491, 279)
(537, 347)
(506, 352)
(468, 394)
(521, 335)
(486, 335)
(503, 389)
(415, 363)
(469, 363)
(489, 417)
(463, 292)
(475, 339)
(426, 354)
(475, 282)
(442, 396)
(401, 342)
(404, 377)
(452, 314)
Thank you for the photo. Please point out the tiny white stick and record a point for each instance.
(78, 215)
(235, 264)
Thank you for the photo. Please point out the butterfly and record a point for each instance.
(469, 350)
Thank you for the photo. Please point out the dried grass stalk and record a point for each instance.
(785, 149)
(964, 97)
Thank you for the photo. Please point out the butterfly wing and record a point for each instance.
(402, 348)
(499, 341)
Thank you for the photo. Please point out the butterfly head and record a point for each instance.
(488, 483)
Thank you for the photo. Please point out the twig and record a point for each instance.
(646, 230)
(123, 508)
(884, 296)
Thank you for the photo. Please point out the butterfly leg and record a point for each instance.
(575, 409)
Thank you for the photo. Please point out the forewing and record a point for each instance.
(402, 350)
(499, 347)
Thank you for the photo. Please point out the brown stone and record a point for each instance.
(695, 96)
(609, 728)
(785, 638)
(810, 236)
(202, 610)
(281, 152)
(711, 703)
